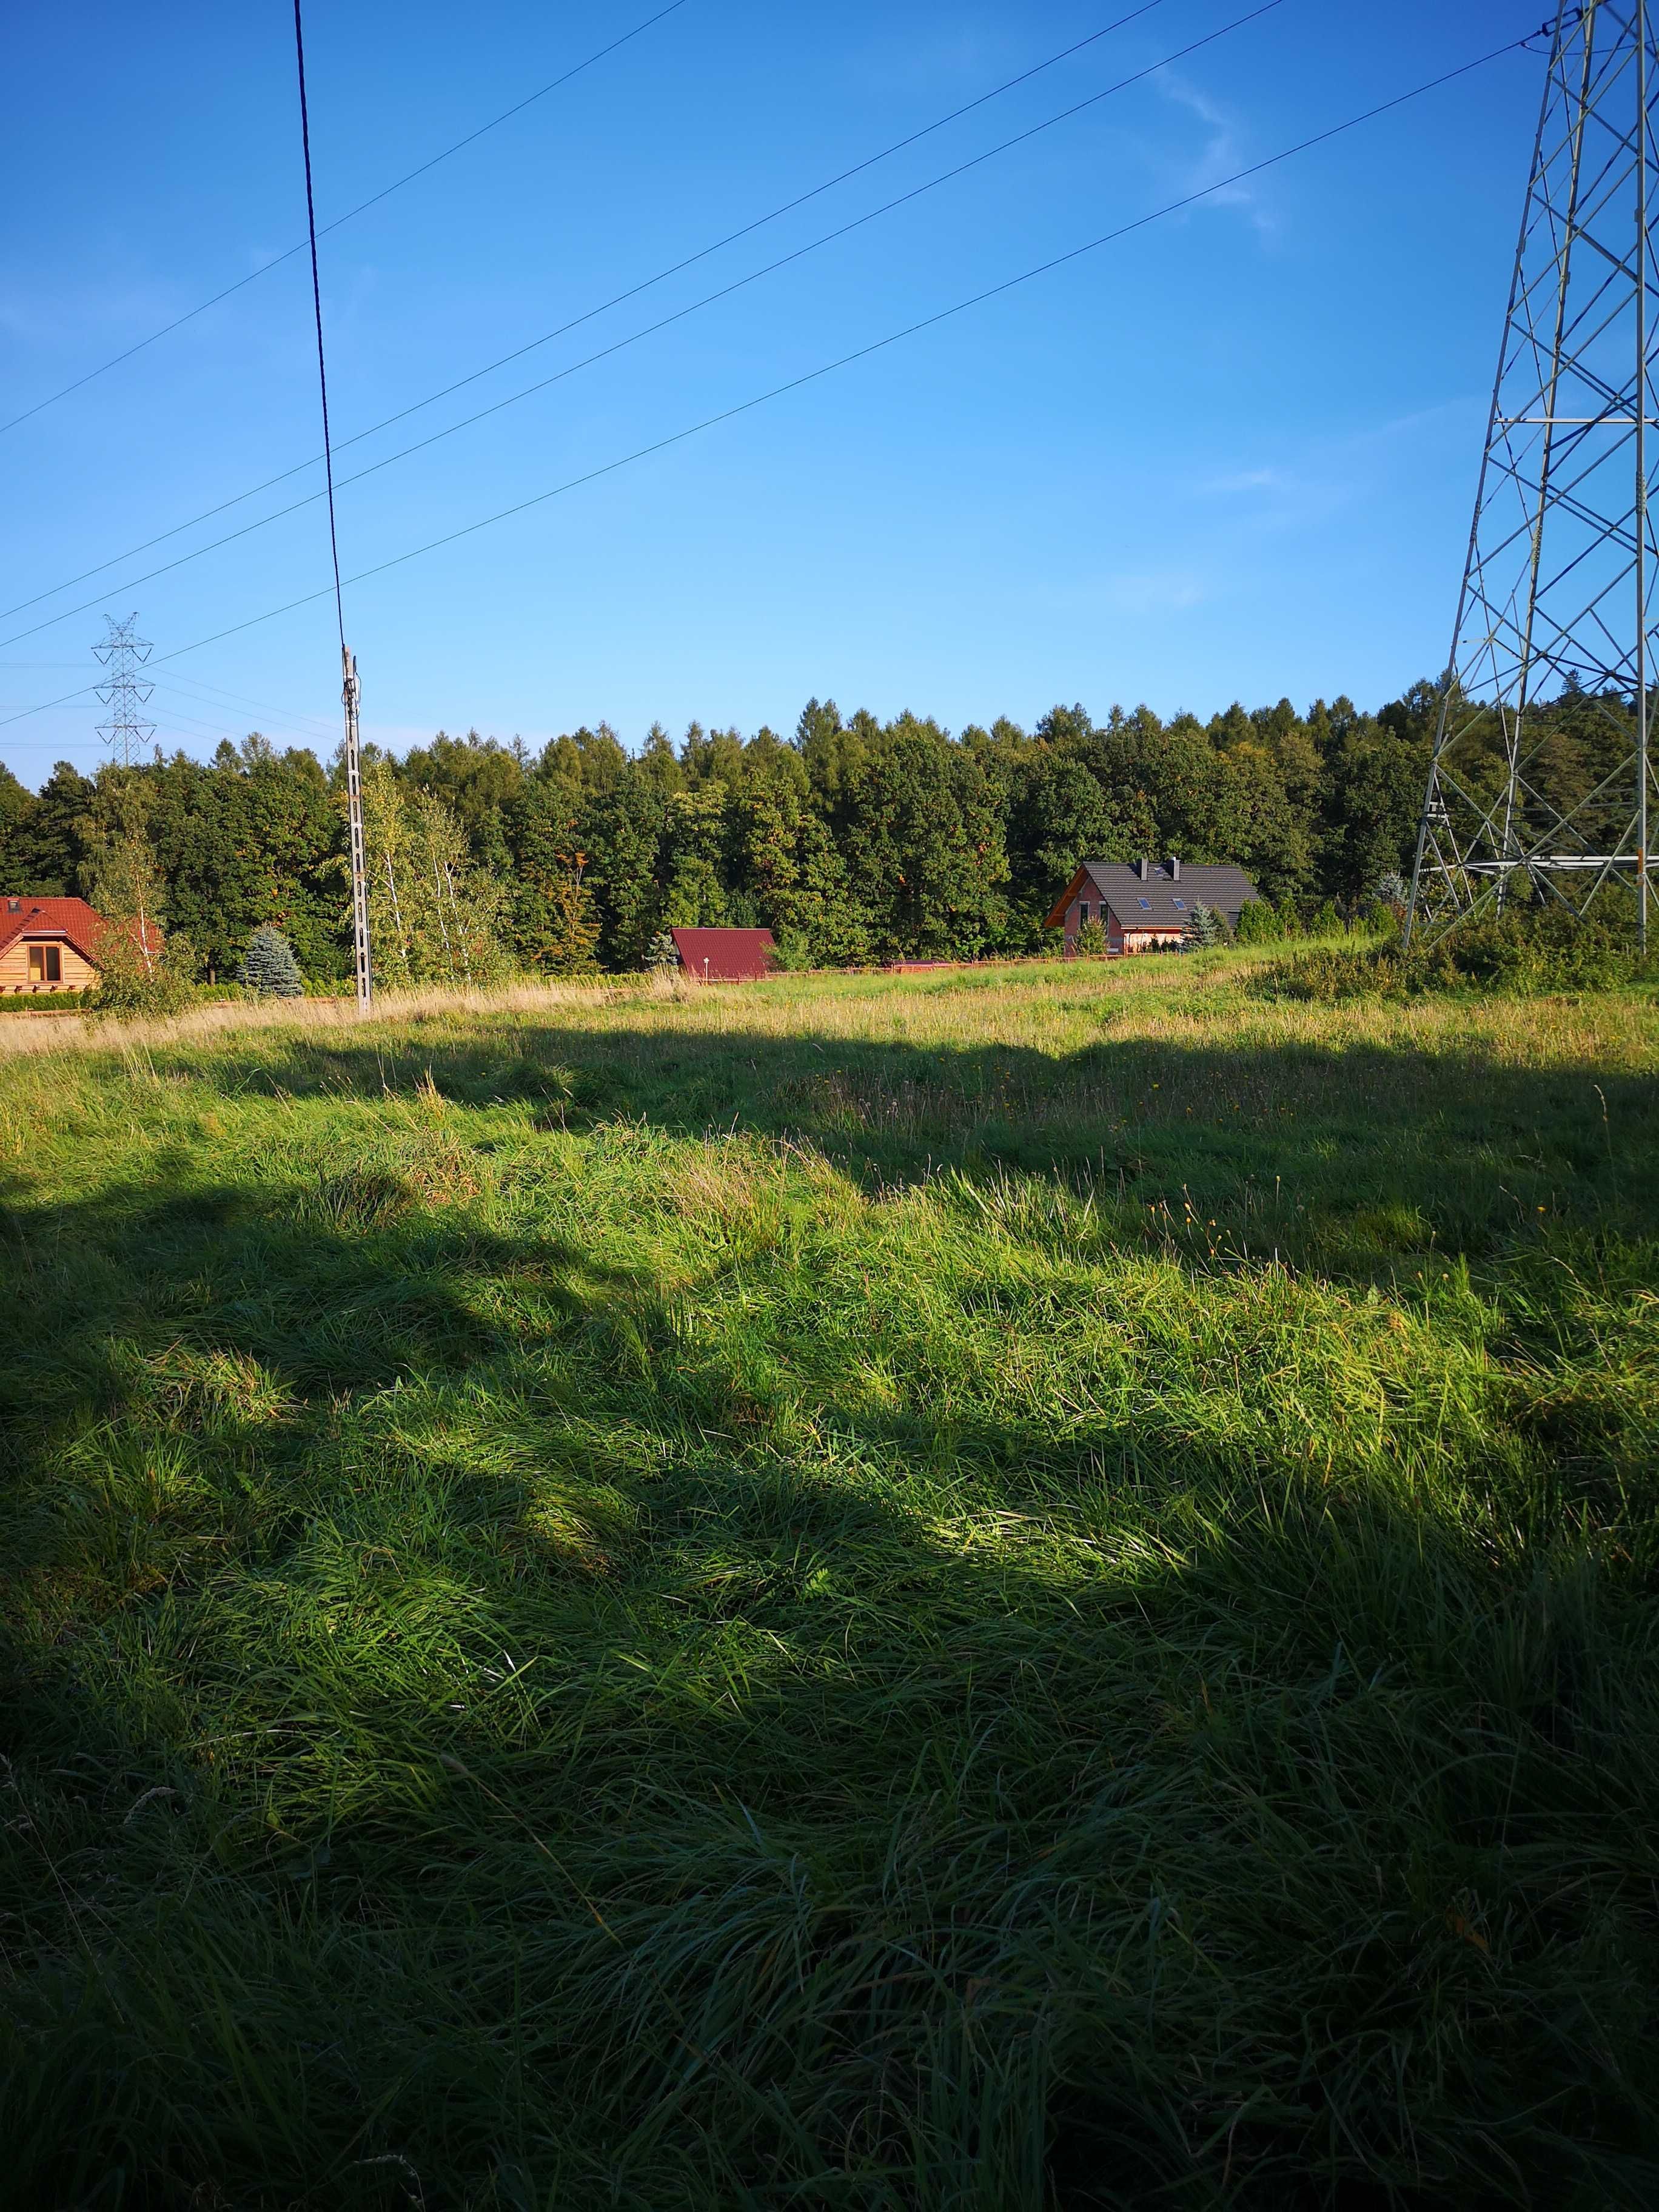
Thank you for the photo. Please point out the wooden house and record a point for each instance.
(48, 945)
(1146, 906)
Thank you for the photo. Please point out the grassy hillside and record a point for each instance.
(971, 1590)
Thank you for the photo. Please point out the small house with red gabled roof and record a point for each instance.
(48, 945)
(725, 956)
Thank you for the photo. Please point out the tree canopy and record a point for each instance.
(851, 838)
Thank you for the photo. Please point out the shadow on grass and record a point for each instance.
(1344, 1160)
(457, 1735)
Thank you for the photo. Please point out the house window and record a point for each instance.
(1180, 905)
(1083, 909)
(45, 963)
(1146, 903)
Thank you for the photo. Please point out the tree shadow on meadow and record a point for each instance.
(1342, 1159)
(287, 1472)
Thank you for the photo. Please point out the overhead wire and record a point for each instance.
(617, 299)
(317, 303)
(215, 695)
(350, 215)
(619, 345)
(829, 368)
(172, 716)
(292, 724)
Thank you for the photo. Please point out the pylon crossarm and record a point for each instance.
(1567, 479)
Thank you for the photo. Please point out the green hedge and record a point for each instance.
(1526, 952)
(40, 1002)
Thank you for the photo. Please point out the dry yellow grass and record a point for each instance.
(1045, 1008)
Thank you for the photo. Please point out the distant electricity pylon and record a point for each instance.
(1543, 778)
(123, 654)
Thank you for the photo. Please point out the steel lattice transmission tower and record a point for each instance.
(123, 652)
(1542, 775)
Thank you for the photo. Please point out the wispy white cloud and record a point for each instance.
(1307, 480)
(77, 314)
(32, 321)
(1151, 590)
(972, 53)
(74, 313)
(1224, 152)
(1246, 480)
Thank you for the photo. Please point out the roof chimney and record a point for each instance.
(1143, 867)
(1175, 869)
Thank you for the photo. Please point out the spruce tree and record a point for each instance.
(1202, 926)
(269, 966)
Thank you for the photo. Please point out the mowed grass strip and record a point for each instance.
(973, 1590)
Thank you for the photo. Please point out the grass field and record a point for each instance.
(978, 1590)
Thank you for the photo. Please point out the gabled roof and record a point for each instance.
(724, 955)
(66, 920)
(1151, 903)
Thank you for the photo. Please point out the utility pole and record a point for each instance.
(354, 771)
(1542, 779)
(123, 652)
(350, 691)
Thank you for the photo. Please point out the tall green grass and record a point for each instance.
(971, 1591)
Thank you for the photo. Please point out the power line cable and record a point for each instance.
(351, 694)
(845, 361)
(317, 303)
(197, 688)
(201, 725)
(275, 722)
(619, 345)
(589, 314)
(350, 215)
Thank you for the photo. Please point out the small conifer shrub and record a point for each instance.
(1203, 925)
(1091, 941)
(662, 955)
(269, 966)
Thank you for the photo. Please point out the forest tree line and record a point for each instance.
(853, 840)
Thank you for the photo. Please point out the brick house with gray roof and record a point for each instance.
(1146, 906)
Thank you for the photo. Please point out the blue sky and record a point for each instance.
(1230, 456)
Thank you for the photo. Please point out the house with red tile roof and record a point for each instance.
(48, 945)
